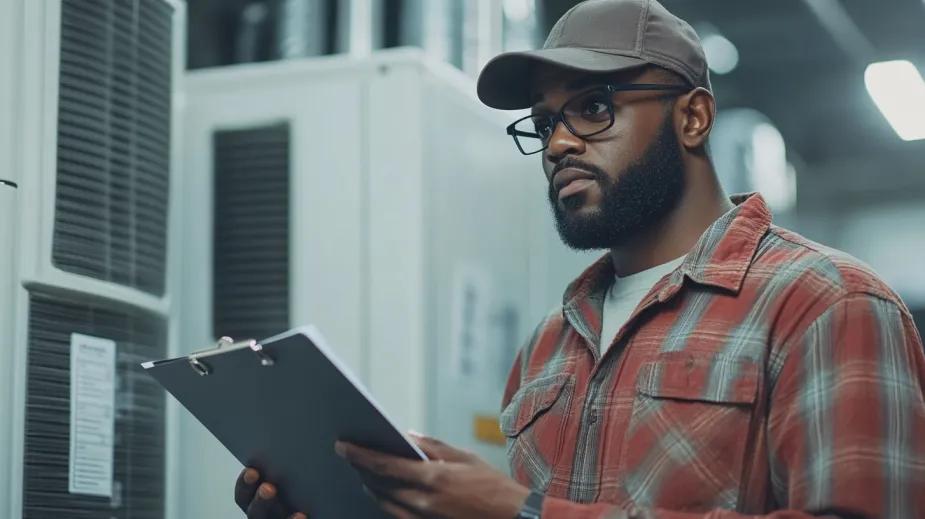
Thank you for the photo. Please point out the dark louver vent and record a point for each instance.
(251, 254)
(138, 460)
(113, 141)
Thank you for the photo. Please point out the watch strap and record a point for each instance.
(533, 506)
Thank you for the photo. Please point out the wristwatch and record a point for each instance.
(533, 507)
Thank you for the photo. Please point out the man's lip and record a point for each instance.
(575, 187)
(567, 175)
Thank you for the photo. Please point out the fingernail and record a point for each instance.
(414, 433)
(251, 476)
(299, 515)
(266, 491)
(339, 449)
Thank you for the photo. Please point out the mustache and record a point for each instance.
(571, 162)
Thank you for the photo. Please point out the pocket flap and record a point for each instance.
(530, 401)
(708, 377)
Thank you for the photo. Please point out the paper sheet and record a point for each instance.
(93, 386)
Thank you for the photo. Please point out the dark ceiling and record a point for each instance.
(792, 69)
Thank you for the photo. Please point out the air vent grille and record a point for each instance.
(114, 141)
(251, 252)
(138, 461)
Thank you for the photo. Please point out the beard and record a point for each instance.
(639, 199)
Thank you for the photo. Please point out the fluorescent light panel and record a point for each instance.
(898, 90)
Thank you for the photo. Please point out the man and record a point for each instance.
(712, 364)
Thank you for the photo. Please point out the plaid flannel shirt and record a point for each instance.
(766, 375)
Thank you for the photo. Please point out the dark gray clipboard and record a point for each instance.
(279, 405)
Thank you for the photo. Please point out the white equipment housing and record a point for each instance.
(85, 180)
(418, 238)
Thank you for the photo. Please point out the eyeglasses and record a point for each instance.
(585, 115)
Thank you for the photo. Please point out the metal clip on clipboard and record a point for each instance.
(225, 344)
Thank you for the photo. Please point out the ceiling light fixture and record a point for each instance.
(722, 54)
(518, 10)
(898, 90)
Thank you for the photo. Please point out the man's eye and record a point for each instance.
(543, 128)
(595, 107)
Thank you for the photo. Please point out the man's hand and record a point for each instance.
(453, 485)
(259, 499)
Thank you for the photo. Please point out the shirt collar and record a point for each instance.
(725, 250)
(720, 258)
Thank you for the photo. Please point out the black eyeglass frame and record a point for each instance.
(560, 117)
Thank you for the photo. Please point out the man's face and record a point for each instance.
(608, 188)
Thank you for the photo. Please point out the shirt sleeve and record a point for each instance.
(846, 425)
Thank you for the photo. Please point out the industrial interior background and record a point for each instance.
(171, 172)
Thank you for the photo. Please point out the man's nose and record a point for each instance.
(562, 143)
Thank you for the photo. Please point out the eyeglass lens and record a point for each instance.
(584, 115)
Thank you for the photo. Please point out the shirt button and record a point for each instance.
(593, 416)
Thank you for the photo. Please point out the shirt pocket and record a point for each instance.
(687, 436)
(533, 423)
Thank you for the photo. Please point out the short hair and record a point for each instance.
(669, 76)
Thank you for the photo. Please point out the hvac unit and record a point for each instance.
(379, 200)
(85, 145)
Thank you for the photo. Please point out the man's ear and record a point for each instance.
(697, 112)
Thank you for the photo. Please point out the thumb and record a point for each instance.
(437, 450)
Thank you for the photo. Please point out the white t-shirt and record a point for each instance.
(625, 294)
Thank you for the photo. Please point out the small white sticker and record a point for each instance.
(93, 389)
(469, 325)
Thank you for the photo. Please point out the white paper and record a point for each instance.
(93, 388)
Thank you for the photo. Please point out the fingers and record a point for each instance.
(258, 499)
(391, 507)
(266, 504)
(437, 450)
(398, 499)
(404, 503)
(397, 511)
(412, 499)
(386, 465)
(246, 487)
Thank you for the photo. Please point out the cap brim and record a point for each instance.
(505, 81)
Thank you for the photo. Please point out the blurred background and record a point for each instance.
(173, 172)
(795, 65)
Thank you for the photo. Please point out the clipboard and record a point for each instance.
(279, 405)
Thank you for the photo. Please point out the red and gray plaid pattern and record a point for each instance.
(767, 375)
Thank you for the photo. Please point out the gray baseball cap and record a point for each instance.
(599, 36)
